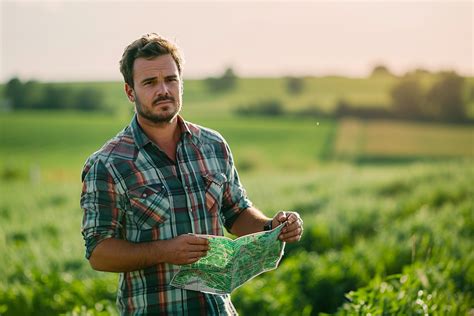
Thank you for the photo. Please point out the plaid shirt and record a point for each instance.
(133, 191)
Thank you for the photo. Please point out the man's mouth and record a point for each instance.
(163, 102)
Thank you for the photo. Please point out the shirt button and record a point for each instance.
(144, 195)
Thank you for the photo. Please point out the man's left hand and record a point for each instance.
(293, 230)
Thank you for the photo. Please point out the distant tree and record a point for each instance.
(294, 85)
(444, 99)
(344, 108)
(421, 71)
(407, 98)
(380, 70)
(57, 97)
(417, 72)
(229, 75)
(14, 93)
(36, 95)
(89, 99)
(226, 82)
(33, 94)
(271, 107)
(470, 94)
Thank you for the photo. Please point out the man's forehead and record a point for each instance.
(162, 65)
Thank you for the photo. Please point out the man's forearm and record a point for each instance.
(116, 255)
(251, 220)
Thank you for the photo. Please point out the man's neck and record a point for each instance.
(165, 135)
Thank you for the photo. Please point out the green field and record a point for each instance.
(388, 206)
(358, 139)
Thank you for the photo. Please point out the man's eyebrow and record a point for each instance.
(171, 77)
(148, 79)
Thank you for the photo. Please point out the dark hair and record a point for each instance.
(148, 46)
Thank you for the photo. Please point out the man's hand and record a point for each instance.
(186, 249)
(293, 230)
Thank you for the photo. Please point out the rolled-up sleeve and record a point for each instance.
(101, 205)
(235, 199)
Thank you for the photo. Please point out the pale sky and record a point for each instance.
(84, 40)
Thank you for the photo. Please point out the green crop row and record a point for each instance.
(381, 238)
(375, 237)
(384, 240)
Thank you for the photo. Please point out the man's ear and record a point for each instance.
(129, 92)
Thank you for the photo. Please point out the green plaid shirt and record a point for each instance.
(133, 191)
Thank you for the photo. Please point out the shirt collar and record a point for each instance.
(140, 137)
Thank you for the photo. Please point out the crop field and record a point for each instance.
(382, 138)
(388, 207)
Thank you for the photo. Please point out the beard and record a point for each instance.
(165, 117)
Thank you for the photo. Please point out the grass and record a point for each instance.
(394, 139)
(58, 144)
(363, 222)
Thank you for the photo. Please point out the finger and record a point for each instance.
(194, 240)
(192, 257)
(192, 260)
(294, 239)
(281, 216)
(290, 234)
(291, 227)
(197, 254)
(198, 248)
(287, 238)
(292, 218)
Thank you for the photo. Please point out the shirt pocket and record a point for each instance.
(215, 185)
(150, 205)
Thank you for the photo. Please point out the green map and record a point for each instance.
(230, 263)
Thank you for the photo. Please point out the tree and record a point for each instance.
(89, 99)
(36, 95)
(14, 93)
(444, 100)
(56, 97)
(294, 85)
(33, 94)
(407, 98)
(223, 83)
(380, 70)
(270, 107)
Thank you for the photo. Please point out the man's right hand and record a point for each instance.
(186, 249)
(117, 255)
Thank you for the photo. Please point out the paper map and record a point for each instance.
(230, 263)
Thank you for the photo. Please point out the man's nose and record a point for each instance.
(162, 89)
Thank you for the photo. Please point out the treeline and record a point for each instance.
(226, 82)
(418, 95)
(410, 99)
(36, 95)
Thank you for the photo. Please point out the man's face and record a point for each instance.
(157, 90)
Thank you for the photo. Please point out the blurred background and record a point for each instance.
(357, 114)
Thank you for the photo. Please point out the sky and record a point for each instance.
(84, 40)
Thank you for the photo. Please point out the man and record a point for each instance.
(158, 182)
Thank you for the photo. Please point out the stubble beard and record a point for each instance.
(161, 118)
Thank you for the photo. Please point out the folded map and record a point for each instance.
(230, 263)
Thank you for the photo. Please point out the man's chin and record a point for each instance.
(160, 119)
